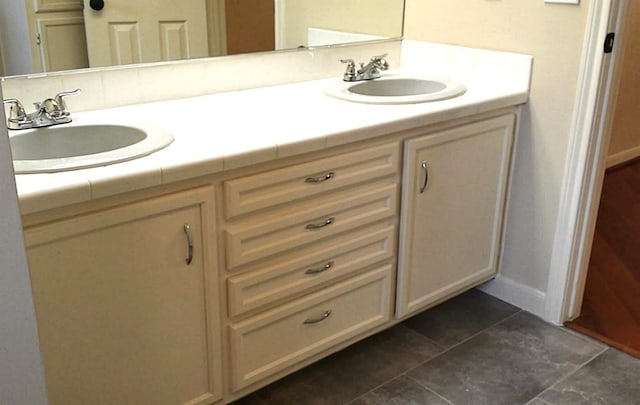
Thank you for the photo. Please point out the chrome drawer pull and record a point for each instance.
(320, 270)
(316, 180)
(320, 226)
(425, 175)
(187, 230)
(324, 316)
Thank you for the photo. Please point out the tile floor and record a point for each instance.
(473, 349)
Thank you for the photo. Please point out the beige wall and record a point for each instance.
(554, 35)
(625, 136)
(375, 17)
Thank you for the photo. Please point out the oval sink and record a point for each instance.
(72, 147)
(394, 89)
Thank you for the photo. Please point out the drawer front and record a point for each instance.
(301, 181)
(286, 335)
(288, 230)
(304, 270)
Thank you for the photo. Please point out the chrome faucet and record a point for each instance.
(366, 72)
(51, 111)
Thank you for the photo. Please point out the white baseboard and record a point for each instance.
(623, 156)
(520, 295)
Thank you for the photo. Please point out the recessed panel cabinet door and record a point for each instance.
(136, 31)
(453, 200)
(123, 317)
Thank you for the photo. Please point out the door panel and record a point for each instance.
(127, 31)
(54, 29)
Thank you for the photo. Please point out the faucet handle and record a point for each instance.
(351, 73)
(59, 99)
(16, 108)
(17, 114)
(380, 61)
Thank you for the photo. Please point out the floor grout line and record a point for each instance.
(462, 341)
(404, 372)
(564, 378)
(431, 390)
(445, 350)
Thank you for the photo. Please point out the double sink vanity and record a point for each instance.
(276, 226)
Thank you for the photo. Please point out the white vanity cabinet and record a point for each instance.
(310, 259)
(127, 303)
(317, 253)
(453, 201)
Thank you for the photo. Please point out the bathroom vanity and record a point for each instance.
(256, 245)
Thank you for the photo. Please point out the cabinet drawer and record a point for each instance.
(297, 182)
(283, 337)
(323, 262)
(274, 234)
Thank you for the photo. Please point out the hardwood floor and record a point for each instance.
(611, 304)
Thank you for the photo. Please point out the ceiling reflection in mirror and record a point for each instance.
(57, 35)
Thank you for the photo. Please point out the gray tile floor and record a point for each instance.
(473, 349)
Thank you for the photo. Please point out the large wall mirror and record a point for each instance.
(56, 35)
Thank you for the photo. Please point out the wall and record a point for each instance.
(21, 372)
(14, 31)
(554, 35)
(379, 17)
(625, 136)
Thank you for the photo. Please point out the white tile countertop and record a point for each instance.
(224, 131)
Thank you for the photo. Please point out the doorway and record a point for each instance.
(610, 307)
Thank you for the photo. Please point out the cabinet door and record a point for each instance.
(452, 208)
(122, 317)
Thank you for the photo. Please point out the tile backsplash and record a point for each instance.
(128, 85)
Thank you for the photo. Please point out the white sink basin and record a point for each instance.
(396, 89)
(71, 147)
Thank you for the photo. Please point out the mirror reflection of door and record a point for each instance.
(137, 31)
(55, 32)
(250, 26)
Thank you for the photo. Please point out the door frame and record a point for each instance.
(1, 58)
(584, 171)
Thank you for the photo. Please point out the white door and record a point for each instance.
(135, 31)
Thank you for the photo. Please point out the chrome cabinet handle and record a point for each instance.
(320, 269)
(322, 317)
(328, 222)
(322, 179)
(187, 231)
(425, 175)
